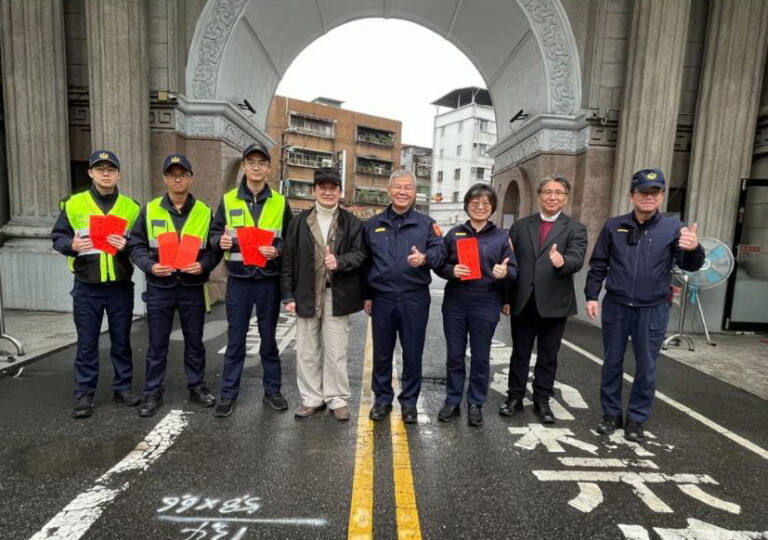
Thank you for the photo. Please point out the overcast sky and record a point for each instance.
(385, 67)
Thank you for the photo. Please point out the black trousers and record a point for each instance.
(528, 327)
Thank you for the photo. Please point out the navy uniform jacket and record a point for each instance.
(145, 257)
(237, 269)
(636, 260)
(493, 245)
(388, 241)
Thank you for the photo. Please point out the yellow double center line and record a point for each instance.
(361, 509)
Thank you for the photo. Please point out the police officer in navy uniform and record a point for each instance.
(102, 281)
(634, 255)
(472, 307)
(170, 289)
(402, 246)
(252, 203)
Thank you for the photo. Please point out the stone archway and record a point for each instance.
(510, 208)
(241, 48)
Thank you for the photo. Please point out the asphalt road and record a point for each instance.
(185, 474)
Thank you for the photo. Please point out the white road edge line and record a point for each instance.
(78, 516)
(738, 439)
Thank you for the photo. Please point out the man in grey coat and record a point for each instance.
(550, 247)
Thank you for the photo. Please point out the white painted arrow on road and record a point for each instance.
(696, 530)
(550, 438)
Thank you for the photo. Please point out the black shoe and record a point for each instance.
(127, 397)
(276, 401)
(609, 424)
(83, 407)
(200, 394)
(149, 405)
(511, 407)
(410, 415)
(633, 431)
(224, 407)
(543, 412)
(448, 413)
(474, 415)
(379, 412)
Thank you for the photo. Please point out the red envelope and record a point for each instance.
(469, 255)
(168, 246)
(100, 227)
(189, 247)
(250, 239)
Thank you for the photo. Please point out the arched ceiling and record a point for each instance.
(524, 49)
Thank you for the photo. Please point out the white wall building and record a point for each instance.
(462, 137)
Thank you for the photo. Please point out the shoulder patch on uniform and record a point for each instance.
(379, 229)
(437, 230)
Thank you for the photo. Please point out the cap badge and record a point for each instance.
(651, 176)
(104, 155)
(175, 159)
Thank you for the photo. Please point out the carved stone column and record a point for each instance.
(118, 69)
(726, 113)
(651, 93)
(37, 144)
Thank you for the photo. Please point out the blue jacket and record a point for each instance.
(493, 244)
(638, 274)
(388, 240)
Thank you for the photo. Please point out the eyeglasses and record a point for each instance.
(480, 204)
(106, 170)
(261, 163)
(547, 193)
(400, 187)
(184, 175)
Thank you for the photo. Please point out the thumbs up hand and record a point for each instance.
(555, 257)
(225, 242)
(416, 258)
(689, 240)
(330, 260)
(500, 270)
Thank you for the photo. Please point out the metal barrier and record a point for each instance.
(8, 362)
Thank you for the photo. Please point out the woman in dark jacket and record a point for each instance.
(321, 285)
(471, 305)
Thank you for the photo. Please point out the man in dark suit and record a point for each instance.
(550, 247)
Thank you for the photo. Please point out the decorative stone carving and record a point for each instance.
(219, 20)
(557, 141)
(552, 29)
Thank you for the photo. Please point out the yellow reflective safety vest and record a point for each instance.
(238, 214)
(159, 220)
(79, 208)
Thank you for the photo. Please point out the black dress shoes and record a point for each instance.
(474, 415)
(410, 415)
(127, 397)
(379, 412)
(633, 431)
(224, 407)
(543, 412)
(448, 413)
(83, 407)
(149, 405)
(511, 407)
(609, 424)
(200, 394)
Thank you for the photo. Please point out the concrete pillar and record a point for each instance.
(37, 133)
(651, 93)
(118, 70)
(726, 113)
(37, 145)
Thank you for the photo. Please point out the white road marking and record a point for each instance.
(550, 438)
(699, 494)
(78, 516)
(696, 530)
(607, 462)
(571, 396)
(738, 439)
(617, 439)
(590, 497)
(317, 522)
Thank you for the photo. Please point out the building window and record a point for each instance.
(482, 150)
(311, 125)
(455, 197)
(374, 167)
(458, 150)
(480, 173)
(442, 152)
(442, 131)
(301, 157)
(378, 137)
(457, 174)
(483, 124)
(439, 176)
(298, 189)
(461, 126)
(371, 196)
